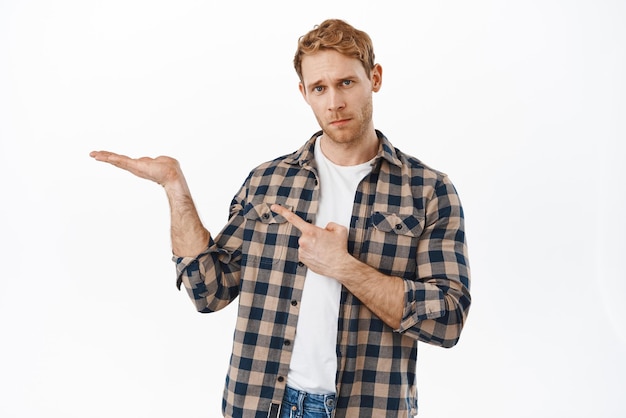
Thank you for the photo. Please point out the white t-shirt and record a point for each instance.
(313, 365)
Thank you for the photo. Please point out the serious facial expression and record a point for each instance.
(340, 93)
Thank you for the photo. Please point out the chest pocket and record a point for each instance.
(266, 234)
(393, 243)
(261, 212)
(409, 225)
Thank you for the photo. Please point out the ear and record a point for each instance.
(303, 92)
(377, 77)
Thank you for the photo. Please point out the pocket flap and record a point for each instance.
(261, 212)
(409, 225)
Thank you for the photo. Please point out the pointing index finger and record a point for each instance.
(291, 217)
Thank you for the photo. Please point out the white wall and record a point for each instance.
(522, 103)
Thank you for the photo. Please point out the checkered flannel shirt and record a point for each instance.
(407, 221)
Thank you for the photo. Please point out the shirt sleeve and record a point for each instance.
(211, 279)
(437, 303)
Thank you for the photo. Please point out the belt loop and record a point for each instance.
(273, 412)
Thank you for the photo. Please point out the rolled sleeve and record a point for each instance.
(437, 303)
(212, 278)
(422, 301)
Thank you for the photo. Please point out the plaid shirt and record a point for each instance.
(407, 221)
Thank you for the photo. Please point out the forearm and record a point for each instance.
(433, 311)
(189, 237)
(212, 276)
(382, 294)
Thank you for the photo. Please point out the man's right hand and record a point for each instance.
(189, 236)
(162, 170)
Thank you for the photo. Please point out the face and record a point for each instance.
(340, 95)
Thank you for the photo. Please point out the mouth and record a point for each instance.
(339, 122)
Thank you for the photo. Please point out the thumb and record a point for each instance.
(336, 228)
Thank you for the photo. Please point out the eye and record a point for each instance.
(318, 89)
(346, 82)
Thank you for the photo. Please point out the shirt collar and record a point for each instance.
(304, 155)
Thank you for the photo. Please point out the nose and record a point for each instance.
(335, 100)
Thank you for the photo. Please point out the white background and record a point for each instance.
(522, 103)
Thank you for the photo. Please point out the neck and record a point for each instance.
(353, 152)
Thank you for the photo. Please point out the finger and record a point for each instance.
(118, 160)
(337, 229)
(292, 218)
(98, 155)
(332, 226)
(106, 156)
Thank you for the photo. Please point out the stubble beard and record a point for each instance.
(351, 135)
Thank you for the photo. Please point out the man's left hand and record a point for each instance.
(323, 250)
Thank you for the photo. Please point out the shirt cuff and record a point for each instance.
(421, 301)
(187, 266)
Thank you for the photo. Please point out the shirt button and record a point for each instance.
(300, 263)
(281, 379)
(399, 226)
(287, 343)
(266, 216)
(294, 302)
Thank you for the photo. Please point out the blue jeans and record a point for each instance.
(297, 404)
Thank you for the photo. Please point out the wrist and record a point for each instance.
(349, 268)
(176, 187)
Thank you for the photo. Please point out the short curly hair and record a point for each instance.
(337, 35)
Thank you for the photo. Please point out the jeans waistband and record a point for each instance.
(300, 402)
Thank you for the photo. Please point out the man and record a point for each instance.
(344, 254)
